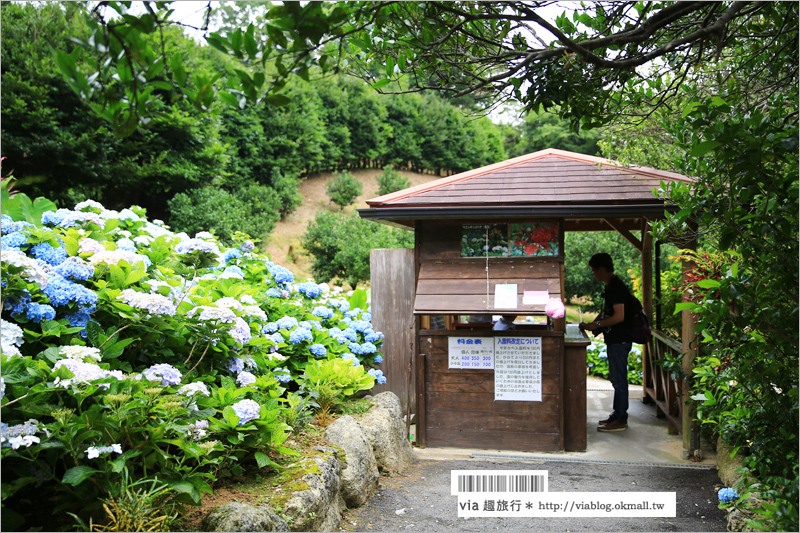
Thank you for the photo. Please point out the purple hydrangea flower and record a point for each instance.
(168, 374)
(246, 410)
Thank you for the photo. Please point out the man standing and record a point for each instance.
(615, 326)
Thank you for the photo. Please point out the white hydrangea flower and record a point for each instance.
(207, 312)
(80, 353)
(152, 303)
(90, 246)
(31, 268)
(255, 311)
(11, 333)
(91, 204)
(230, 303)
(247, 299)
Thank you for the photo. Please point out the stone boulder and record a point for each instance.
(236, 516)
(315, 502)
(383, 425)
(360, 475)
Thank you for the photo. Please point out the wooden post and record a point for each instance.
(647, 293)
(689, 349)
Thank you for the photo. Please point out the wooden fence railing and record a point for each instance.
(659, 387)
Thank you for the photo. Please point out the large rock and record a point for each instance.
(236, 516)
(316, 503)
(383, 425)
(360, 474)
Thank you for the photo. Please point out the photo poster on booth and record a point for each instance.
(518, 369)
(470, 352)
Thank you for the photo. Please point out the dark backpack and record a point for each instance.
(640, 331)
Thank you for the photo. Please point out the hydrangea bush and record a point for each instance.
(130, 349)
(597, 361)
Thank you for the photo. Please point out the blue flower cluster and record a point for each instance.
(246, 410)
(286, 322)
(75, 268)
(62, 292)
(378, 375)
(270, 328)
(378, 359)
(38, 312)
(362, 349)
(322, 312)
(310, 289)
(351, 357)
(234, 365)
(318, 350)
(727, 495)
(168, 374)
(281, 275)
(45, 252)
(282, 375)
(231, 254)
(8, 225)
(299, 335)
(13, 240)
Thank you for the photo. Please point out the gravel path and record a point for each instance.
(420, 500)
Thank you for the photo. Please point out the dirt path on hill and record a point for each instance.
(284, 244)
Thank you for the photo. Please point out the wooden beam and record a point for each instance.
(617, 225)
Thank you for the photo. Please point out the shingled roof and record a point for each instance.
(546, 183)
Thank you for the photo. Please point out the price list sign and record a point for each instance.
(471, 352)
(518, 369)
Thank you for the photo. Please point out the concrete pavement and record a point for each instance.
(646, 441)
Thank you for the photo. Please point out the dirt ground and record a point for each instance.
(284, 244)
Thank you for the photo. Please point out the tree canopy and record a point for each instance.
(590, 62)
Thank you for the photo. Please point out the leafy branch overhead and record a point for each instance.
(589, 62)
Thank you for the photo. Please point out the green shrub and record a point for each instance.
(287, 188)
(252, 209)
(340, 245)
(391, 181)
(597, 362)
(343, 189)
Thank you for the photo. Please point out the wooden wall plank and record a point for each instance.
(393, 287)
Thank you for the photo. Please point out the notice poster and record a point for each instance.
(518, 369)
(505, 296)
(535, 297)
(470, 352)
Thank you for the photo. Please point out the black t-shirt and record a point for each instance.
(617, 293)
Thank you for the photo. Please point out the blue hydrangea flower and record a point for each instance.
(727, 495)
(61, 292)
(287, 322)
(17, 306)
(246, 410)
(367, 317)
(362, 325)
(277, 338)
(318, 350)
(38, 312)
(344, 306)
(353, 313)
(354, 347)
(310, 289)
(245, 379)
(235, 365)
(322, 312)
(79, 318)
(351, 357)
(281, 275)
(373, 336)
(13, 240)
(231, 254)
(248, 246)
(271, 327)
(378, 375)
(274, 292)
(299, 335)
(75, 268)
(282, 375)
(378, 359)
(45, 252)
(126, 244)
(350, 334)
(168, 374)
(368, 347)
(54, 218)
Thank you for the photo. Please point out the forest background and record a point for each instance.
(227, 169)
(719, 102)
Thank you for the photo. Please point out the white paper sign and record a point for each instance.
(535, 297)
(505, 296)
(470, 352)
(518, 369)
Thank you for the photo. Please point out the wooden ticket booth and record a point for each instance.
(490, 242)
